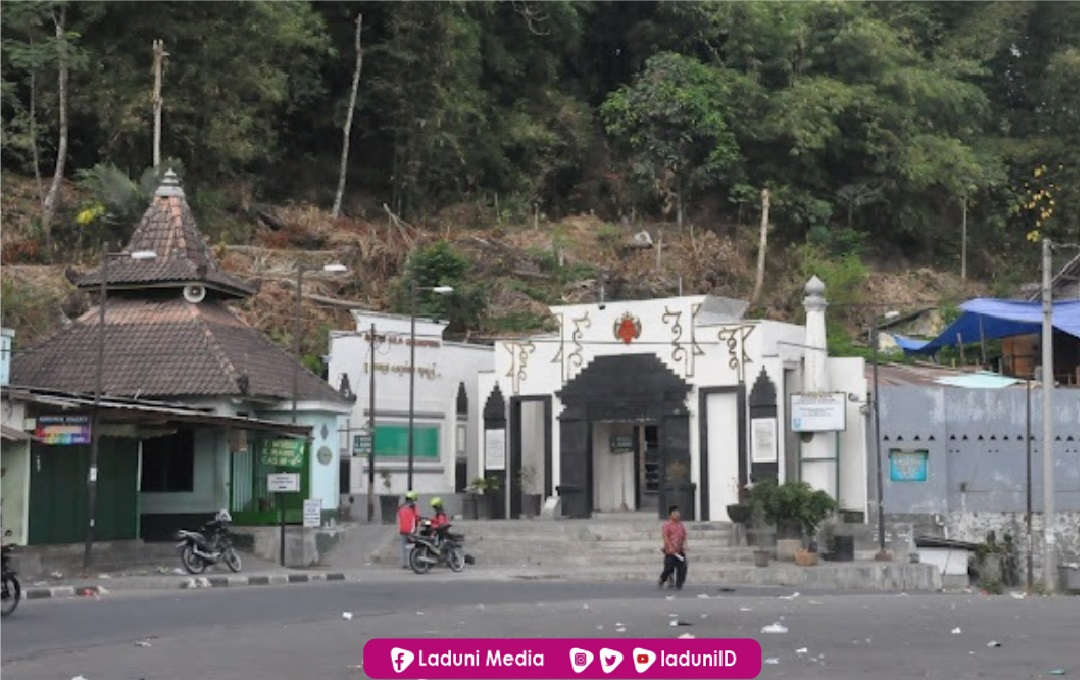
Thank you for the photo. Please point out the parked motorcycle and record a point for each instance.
(210, 545)
(12, 591)
(436, 547)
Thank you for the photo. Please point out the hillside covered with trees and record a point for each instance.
(884, 132)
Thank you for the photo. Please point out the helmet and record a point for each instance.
(436, 502)
(410, 495)
(223, 516)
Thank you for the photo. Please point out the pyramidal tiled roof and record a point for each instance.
(168, 229)
(168, 349)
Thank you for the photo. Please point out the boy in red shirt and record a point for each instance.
(674, 549)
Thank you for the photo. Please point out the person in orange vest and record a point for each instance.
(408, 517)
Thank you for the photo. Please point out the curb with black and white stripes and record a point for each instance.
(187, 584)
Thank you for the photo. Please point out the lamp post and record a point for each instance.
(882, 555)
(413, 288)
(95, 424)
(300, 269)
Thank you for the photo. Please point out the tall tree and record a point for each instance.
(346, 129)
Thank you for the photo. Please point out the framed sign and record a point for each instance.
(820, 412)
(283, 482)
(313, 513)
(909, 465)
(621, 444)
(63, 430)
(763, 440)
(495, 449)
(286, 453)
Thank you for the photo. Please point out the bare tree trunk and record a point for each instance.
(52, 198)
(347, 129)
(759, 281)
(963, 238)
(35, 154)
(159, 58)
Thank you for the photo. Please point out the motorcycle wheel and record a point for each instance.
(456, 560)
(192, 562)
(232, 558)
(12, 593)
(420, 566)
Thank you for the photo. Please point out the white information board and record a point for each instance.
(283, 482)
(820, 412)
(313, 513)
(494, 449)
(763, 440)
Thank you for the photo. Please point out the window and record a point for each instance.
(392, 441)
(168, 463)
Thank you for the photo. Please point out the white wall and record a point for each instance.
(721, 410)
(15, 486)
(848, 374)
(532, 443)
(613, 473)
(440, 368)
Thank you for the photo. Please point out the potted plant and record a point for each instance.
(741, 512)
(530, 502)
(388, 501)
(678, 489)
(481, 497)
(794, 508)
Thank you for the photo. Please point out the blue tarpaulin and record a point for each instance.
(991, 319)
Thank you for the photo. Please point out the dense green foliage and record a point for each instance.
(870, 122)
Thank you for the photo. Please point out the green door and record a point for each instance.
(58, 492)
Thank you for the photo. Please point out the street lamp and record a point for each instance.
(413, 288)
(882, 555)
(336, 268)
(95, 425)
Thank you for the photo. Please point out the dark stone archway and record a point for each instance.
(625, 387)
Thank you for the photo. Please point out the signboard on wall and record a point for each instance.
(63, 430)
(819, 412)
(909, 465)
(763, 447)
(312, 513)
(283, 482)
(286, 453)
(495, 449)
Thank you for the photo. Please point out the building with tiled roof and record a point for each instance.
(170, 337)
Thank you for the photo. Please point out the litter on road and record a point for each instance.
(774, 628)
(347, 616)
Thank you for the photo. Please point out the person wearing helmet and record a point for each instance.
(439, 521)
(408, 518)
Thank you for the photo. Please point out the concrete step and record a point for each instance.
(847, 576)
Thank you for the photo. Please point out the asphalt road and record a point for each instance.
(298, 631)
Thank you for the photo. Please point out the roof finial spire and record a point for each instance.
(170, 185)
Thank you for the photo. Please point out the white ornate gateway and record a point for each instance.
(633, 405)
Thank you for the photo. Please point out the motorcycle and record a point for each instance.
(205, 548)
(12, 591)
(436, 547)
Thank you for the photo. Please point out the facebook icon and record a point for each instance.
(401, 659)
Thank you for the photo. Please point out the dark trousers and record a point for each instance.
(672, 564)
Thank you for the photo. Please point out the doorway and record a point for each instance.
(647, 465)
(641, 392)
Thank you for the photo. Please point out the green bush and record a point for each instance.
(792, 503)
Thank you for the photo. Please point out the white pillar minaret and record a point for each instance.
(816, 378)
(818, 454)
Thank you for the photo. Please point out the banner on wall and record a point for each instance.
(495, 449)
(67, 430)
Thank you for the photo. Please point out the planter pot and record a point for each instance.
(761, 558)
(530, 505)
(388, 505)
(805, 558)
(469, 507)
(485, 506)
(786, 548)
(739, 513)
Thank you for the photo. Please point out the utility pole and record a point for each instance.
(159, 58)
(1049, 519)
(371, 426)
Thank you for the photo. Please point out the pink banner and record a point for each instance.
(556, 659)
